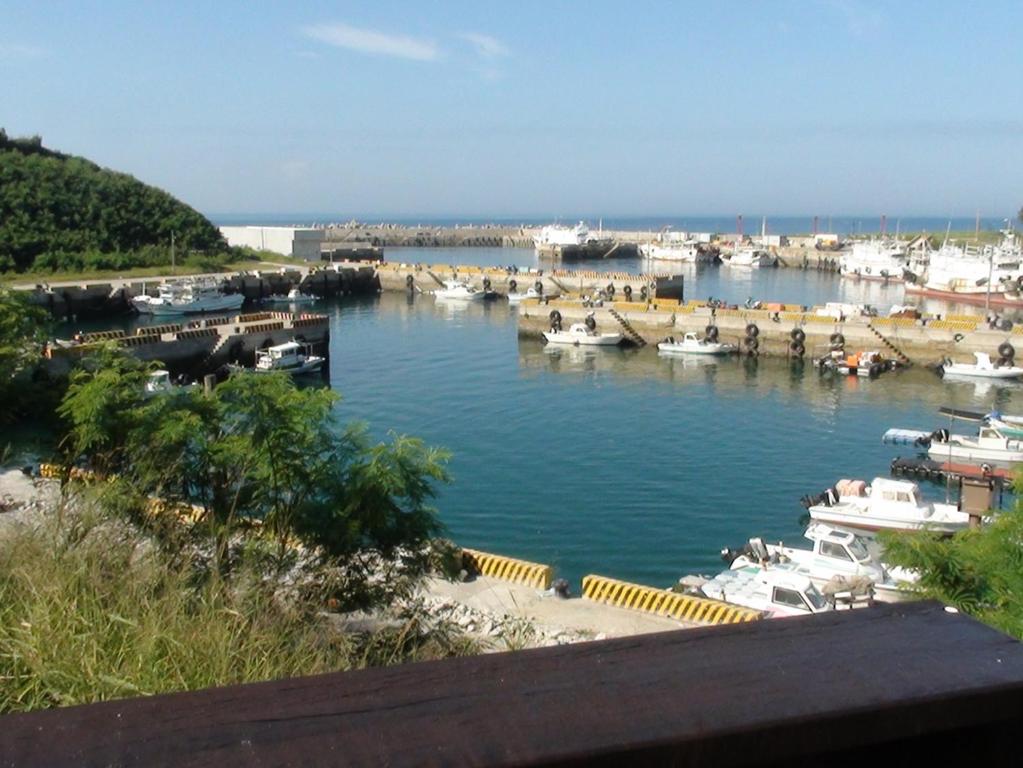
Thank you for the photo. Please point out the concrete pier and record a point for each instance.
(921, 342)
(425, 278)
(199, 346)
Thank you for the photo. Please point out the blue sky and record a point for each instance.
(532, 108)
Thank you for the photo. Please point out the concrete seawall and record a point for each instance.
(922, 342)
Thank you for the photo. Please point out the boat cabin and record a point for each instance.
(835, 544)
(281, 356)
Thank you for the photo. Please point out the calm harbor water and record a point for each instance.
(622, 462)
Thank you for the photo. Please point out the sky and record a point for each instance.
(523, 108)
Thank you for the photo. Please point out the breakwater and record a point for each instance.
(924, 341)
(425, 278)
(72, 299)
(203, 345)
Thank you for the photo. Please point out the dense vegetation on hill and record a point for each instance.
(60, 212)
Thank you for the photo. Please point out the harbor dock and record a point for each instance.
(202, 345)
(773, 331)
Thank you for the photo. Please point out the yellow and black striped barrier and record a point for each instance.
(661, 602)
(509, 569)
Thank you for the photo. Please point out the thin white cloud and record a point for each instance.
(21, 51)
(486, 46)
(371, 41)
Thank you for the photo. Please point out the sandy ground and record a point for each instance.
(576, 615)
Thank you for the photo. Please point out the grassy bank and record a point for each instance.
(91, 610)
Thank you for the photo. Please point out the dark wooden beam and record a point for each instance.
(893, 684)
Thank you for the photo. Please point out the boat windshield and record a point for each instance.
(815, 599)
(858, 549)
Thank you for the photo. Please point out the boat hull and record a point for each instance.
(603, 340)
(973, 454)
(696, 349)
(876, 523)
(223, 303)
(996, 299)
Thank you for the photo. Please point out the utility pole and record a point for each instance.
(172, 251)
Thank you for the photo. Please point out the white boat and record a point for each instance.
(881, 260)
(751, 257)
(989, 446)
(294, 296)
(532, 293)
(555, 235)
(840, 560)
(187, 297)
(990, 274)
(982, 369)
(779, 590)
(290, 357)
(460, 290)
(581, 335)
(683, 253)
(160, 383)
(692, 345)
(893, 505)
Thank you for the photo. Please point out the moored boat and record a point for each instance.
(581, 335)
(291, 357)
(460, 290)
(693, 345)
(187, 297)
(983, 368)
(894, 505)
(294, 296)
(780, 590)
(840, 560)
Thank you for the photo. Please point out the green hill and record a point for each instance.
(60, 212)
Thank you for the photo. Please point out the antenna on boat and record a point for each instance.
(948, 231)
(976, 227)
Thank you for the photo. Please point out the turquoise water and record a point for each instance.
(622, 462)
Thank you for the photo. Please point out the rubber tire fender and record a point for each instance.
(410, 281)
(837, 338)
(513, 285)
(798, 335)
(538, 285)
(752, 330)
(1005, 349)
(711, 332)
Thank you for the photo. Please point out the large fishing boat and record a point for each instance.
(990, 275)
(557, 235)
(880, 260)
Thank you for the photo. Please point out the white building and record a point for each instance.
(287, 241)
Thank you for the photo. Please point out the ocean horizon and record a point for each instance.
(777, 225)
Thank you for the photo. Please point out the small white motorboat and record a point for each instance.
(459, 290)
(982, 369)
(690, 344)
(291, 357)
(884, 505)
(294, 296)
(532, 293)
(779, 590)
(989, 445)
(582, 335)
(839, 561)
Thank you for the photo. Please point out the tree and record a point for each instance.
(979, 572)
(23, 330)
(258, 456)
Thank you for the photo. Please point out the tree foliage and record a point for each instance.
(23, 328)
(979, 572)
(54, 206)
(257, 449)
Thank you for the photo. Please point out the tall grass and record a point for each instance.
(89, 611)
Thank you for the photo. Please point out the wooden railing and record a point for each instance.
(894, 685)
